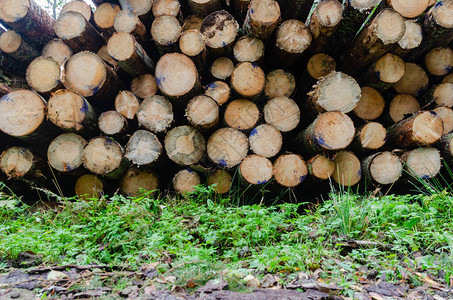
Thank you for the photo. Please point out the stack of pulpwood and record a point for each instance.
(172, 94)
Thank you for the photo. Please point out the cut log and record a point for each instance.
(348, 171)
(17, 162)
(141, 7)
(320, 65)
(104, 54)
(58, 50)
(227, 147)
(22, 114)
(222, 68)
(324, 21)
(130, 55)
(112, 123)
(192, 22)
(10, 65)
(71, 112)
(75, 31)
(143, 148)
(411, 39)
(248, 80)
(320, 167)
(437, 29)
(220, 30)
(219, 91)
(296, 9)
(44, 75)
(167, 8)
(185, 181)
(422, 129)
(177, 76)
(193, 45)
(387, 70)
(414, 82)
(202, 112)
(370, 136)
(438, 95)
(422, 163)
(409, 9)
(79, 6)
(105, 18)
(266, 140)
(165, 31)
(155, 114)
(446, 114)
(371, 104)
(28, 18)
(89, 186)
(279, 83)
(127, 104)
(256, 170)
(242, 114)
(335, 92)
(290, 170)
(185, 145)
(330, 131)
(448, 78)
(383, 168)
(386, 29)
(401, 106)
(65, 152)
(15, 46)
(262, 18)
(220, 181)
(283, 113)
(248, 49)
(87, 75)
(292, 39)
(144, 86)
(104, 156)
(127, 21)
(137, 180)
(202, 8)
(439, 61)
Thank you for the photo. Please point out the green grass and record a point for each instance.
(201, 237)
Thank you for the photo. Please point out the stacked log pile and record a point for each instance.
(278, 94)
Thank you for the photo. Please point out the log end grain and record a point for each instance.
(112, 123)
(427, 128)
(16, 162)
(155, 113)
(191, 43)
(13, 10)
(256, 169)
(227, 147)
(202, 111)
(290, 170)
(348, 171)
(390, 26)
(439, 61)
(166, 8)
(144, 86)
(141, 7)
(320, 167)
(443, 94)
(102, 155)
(279, 83)
(372, 136)
(137, 179)
(70, 25)
(220, 181)
(89, 186)
(65, 152)
(219, 29)
(248, 49)
(333, 130)
(127, 104)
(121, 46)
(320, 65)
(410, 9)
(80, 7)
(222, 68)
(385, 168)
(67, 110)
(446, 114)
(413, 36)
(283, 113)
(266, 140)
(43, 74)
(58, 50)
(126, 21)
(423, 162)
(402, 105)
(328, 13)
(241, 114)
(414, 82)
(390, 68)
(248, 80)
(10, 41)
(185, 145)
(166, 30)
(143, 148)
(184, 181)
(371, 104)
(219, 91)
(293, 36)
(105, 15)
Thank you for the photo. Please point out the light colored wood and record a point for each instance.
(104, 156)
(176, 75)
(439, 61)
(166, 8)
(279, 83)
(44, 75)
(409, 8)
(335, 92)
(143, 148)
(256, 169)
(422, 162)
(58, 50)
(155, 113)
(248, 49)
(220, 30)
(290, 170)
(371, 136)
(17, 162)
(65, 152)
(402, 105)
(383, 168)
(292, 39)
(144, 86)
(141, 7)
(79, 6)
(242, 114)
(248, 80)
(262, 18)
(414, 82)
(219, 91)
(184, 181)
(202, 112)
(103, 53)
(89, 186)
(192, 22)
(192, 44)
(128, 21)
(411, 39)
(12, 43)
(112, 123)
(446, 114)
(77, 33)
(126, 103)
(320, 167)
(222, 68)
(387, 70)
(348, 171)
(443, 94)
(220, 180)
(266, 140)
(105, 17)
(324, 21)
(448, 78)
(185, 145)
(320, 65)
(165, 31)
(371, 104)
(227, 147)
(137, 179)
(283, 113)
(71, 112)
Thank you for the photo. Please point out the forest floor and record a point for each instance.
(206, 247)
